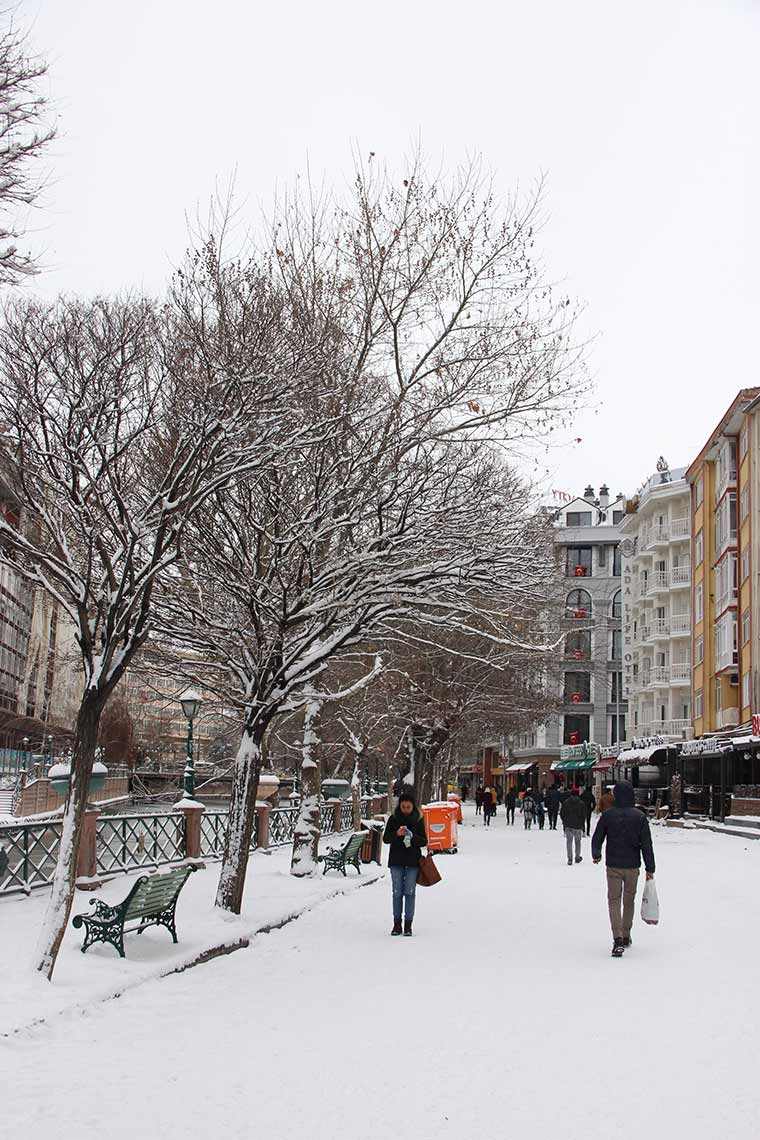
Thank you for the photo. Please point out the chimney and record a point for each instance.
(604, 496)
(589, 493)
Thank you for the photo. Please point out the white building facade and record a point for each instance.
(656, 551)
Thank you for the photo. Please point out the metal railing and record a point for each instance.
(130, 842)
(680, 576)
(680, 623)
(680, 671)
(680, 528)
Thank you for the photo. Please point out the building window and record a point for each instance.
(745, 690)
(577, 688)
(725, 523)
(718, 696)
(698, 703)
(745, 627)
(744, 440)
(578, 645)
(616, 645)
(699, 547)
(617, 563)
(575, 729)
(616, 610)
(699, 491)
(745, 502)
(579, 564)
(699, 608)
(578, 604)
(726, 641)
(617, 728)
(578, 518)
(699, 650)
(726, 581)
(616, 688)
(745, 564)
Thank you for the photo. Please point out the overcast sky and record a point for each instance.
(644, 118)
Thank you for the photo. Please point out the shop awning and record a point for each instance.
(522, 767)
(572, 765)
(745, 741)
(630, 756)
(606, 764)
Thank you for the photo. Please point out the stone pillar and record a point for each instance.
(87, 860)
(263, 811)
(337, 806)
(193, 814)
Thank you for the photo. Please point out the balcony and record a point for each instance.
(659, 582)
(680, 529)
(647, 634)
(660, 675)
(680, 673)
(660, 535)
(665, 728)
(680, 625)
(660, 628)
(680, 576)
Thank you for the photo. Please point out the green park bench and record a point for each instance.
(338, 858)
(151, 902)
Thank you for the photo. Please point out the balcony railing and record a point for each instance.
(680, 528)
(663, 727)
(660, 675)
(661, 627)
(680, 576)
(680, 672)
(680, 624)
(661, 533)
(658, 581)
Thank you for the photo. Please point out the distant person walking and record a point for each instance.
(478, 799)
(494, 801)
(405, 832)
(629, 840)
(529, 809)
(589, 802)
(487, 806)
(538, 799)
(553, 803)
(510, 801)
(573, 818)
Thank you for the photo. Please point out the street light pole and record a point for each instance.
(191, 703)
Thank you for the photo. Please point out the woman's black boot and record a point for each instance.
(408, 928)
(396, 926)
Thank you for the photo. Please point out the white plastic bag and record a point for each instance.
(650, 904)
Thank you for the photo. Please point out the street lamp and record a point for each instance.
(27, 756)
(191, 703)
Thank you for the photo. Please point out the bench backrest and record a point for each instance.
(354, 843)
(154, 894)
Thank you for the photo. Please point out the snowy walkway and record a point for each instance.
(504, 1015)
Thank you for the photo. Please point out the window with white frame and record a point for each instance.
(718, 696)
(744, 440)
(726, 465)
(726, 581)
(699, 491)
(745, 564)
(698, 699)
(746, 627)
(725, 523)
(699, 547)
(745, 690)
(726, 641)
(699, 603)
(745, 502)
(699, 650)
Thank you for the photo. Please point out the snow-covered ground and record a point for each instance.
(504, 1015)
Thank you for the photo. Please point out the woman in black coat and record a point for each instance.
(405, 832)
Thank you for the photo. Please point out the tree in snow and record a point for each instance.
(116, 433)
(431, 340)
(25, 134)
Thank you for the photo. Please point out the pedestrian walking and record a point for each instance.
(553, 803)
(589, 802)
(510, 801)
(463, 792)
(538, 799)
(629, 840)
(494, 801)
(405, 832)
(573, 815)
(478, 799)
(487, 806)
(529, 809)
(606, 800)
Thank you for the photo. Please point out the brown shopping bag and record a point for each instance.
(427, 873)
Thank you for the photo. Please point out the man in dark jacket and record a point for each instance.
(629, 839)
(553, 803)
(511, 800)
(589, 802)
(573, 818)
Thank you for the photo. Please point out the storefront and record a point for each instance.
(706, 770)
(649, 764)
(575, 764)
(522, 775)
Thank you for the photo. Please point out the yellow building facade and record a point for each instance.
(723, 540)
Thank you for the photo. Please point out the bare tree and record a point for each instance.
(116, 435)
(25, 133)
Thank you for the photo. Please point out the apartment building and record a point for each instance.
(656, 550)
(721, 481)
(593, 705)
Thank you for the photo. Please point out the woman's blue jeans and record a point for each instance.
(404, 881)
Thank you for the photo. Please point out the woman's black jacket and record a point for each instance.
(399, 855)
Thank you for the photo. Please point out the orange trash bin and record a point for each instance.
(441, 826)
(453, 798)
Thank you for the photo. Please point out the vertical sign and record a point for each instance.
(627, 549)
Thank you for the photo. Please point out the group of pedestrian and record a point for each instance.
(622, 827)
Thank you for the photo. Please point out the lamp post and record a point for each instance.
(191, 703)
(26, 755)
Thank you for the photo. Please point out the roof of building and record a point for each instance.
(739, 404)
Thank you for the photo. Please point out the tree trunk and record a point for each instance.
(307, 829)
(64, 880)
(237, 845)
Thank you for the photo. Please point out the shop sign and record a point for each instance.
(579, 751)
(702, 745)
(642, 742)
(626, 550)
(756, 724)
(611, 752)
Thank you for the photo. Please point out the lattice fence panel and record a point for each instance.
(32, 851)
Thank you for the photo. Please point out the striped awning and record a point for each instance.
(521, 767)
(572, 765)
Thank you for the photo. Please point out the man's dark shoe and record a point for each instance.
(618, 948)
(408, 928)
(396, 926)
(578, 858)
(628, 942)
(569, 862)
